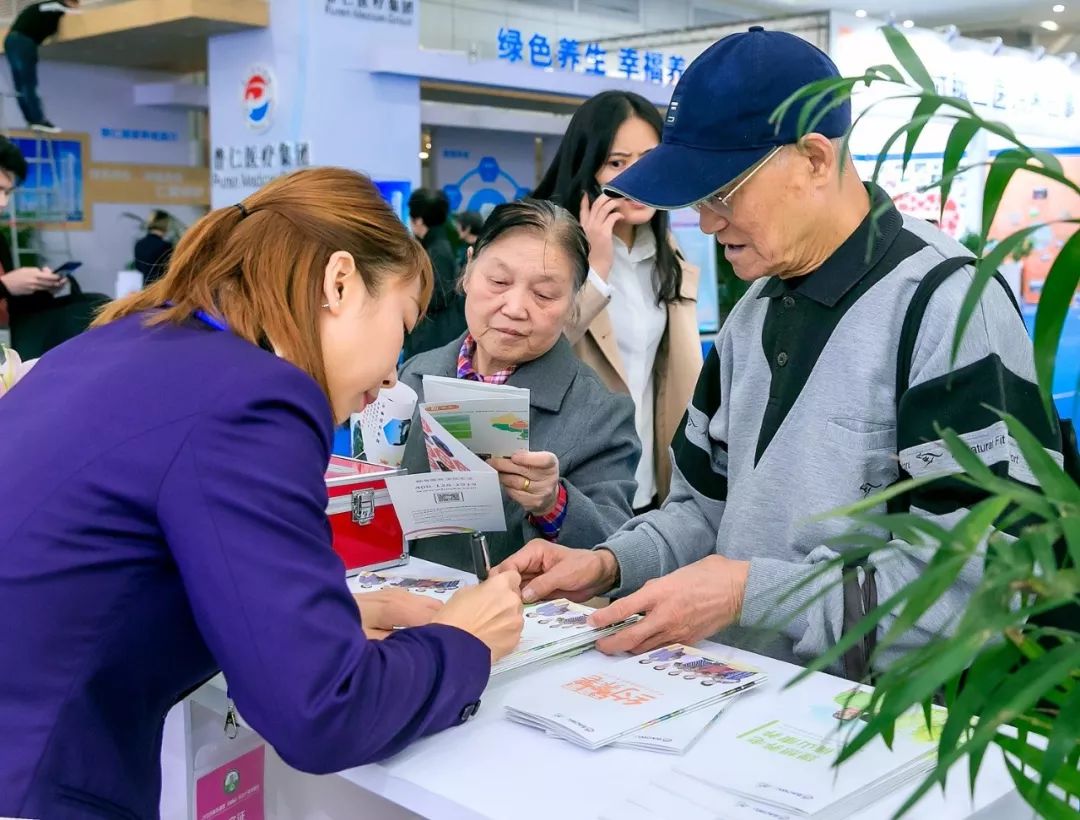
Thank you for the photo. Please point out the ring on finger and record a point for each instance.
(525, 486)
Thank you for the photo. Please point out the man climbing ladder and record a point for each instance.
(34, 25)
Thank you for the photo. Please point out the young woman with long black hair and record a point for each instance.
(636, 324)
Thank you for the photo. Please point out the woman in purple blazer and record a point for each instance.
(163, 514)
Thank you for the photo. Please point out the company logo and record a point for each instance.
(396, 12)
(259, 92)
(232, 781)
(672, 113)
(928, 457)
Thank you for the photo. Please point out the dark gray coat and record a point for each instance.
(573, 415)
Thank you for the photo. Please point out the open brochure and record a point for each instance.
(596, 709)
(489, 419)
(438, 588)
(553, 629)
(782, 751)
(441, 389)
(461, 493)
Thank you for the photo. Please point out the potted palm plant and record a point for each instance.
(1009, 672)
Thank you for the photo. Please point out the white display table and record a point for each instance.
(493, 768)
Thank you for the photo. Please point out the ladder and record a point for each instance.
(50, 205)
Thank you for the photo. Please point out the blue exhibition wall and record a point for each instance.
(1067, 371)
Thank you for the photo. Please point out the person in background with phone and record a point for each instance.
(23, 288)
(636, 324)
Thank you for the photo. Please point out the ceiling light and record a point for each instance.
(1060, 7)
(909, 24)
(1050, 25)
(860, 13)
(424, 155)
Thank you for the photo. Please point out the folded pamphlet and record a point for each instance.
(623, 699)
(782, 751)
(461, 494)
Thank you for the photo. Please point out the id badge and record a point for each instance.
(230, 774)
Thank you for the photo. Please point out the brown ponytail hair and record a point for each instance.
(260, 265)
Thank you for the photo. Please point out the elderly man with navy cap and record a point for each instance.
(806, 403)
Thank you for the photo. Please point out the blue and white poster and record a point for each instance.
(53, 190)
(481, 169)
(396, 192)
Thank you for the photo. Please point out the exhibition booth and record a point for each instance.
(352, 83)
(374, 87)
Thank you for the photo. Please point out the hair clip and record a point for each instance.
(242, 209)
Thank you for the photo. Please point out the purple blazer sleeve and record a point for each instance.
(242, 508)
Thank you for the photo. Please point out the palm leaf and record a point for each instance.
(985, 268)
(907, 58)
(963, 131)
(1053, 480)
(1057, 295)
(924, 112)
(1063, 740)
(1004, 165)
(944, 567)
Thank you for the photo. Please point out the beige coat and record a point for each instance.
(678, 360)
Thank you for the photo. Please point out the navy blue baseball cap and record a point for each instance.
(717, 124)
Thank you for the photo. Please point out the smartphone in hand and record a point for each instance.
(64, 271)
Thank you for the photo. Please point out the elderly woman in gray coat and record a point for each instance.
(576, 483)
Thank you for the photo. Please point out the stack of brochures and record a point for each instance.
(780, 752)
(597, 708)
(489, 419)
(672, 735)
(554, 629)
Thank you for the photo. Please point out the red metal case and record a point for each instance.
(367, 533)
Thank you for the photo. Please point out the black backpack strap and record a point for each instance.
(916, 310)
(860, 599)
(909, 334)
(1068, 615)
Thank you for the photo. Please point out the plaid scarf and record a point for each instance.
(465, 369)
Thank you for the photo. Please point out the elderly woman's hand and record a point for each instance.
(530, 479)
